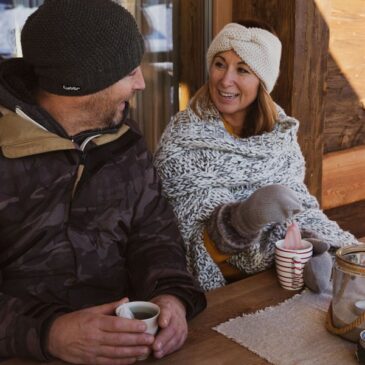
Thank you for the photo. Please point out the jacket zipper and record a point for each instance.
(81, 165)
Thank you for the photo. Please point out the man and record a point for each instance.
(83, 224)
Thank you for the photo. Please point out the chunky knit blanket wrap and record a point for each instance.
(202, 166)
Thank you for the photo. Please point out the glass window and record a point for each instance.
(153, 107)
(13, 14)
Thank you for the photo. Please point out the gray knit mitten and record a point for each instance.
(233, 226)
(318, 270)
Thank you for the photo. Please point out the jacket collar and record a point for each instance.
(21, 136)
(17, 79)
(26, 129)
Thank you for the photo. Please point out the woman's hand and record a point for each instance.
(269, 204)
(232, 227)
(317, 271)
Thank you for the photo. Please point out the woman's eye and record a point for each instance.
(218, 64)
(242, 70)
(132, 73)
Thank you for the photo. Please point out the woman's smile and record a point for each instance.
(229, 96)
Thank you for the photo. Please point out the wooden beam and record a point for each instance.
(309, 74)
(222, 14)
(343, 177)
(350, 217)
(191, 53)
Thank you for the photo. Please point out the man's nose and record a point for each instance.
(139, 83)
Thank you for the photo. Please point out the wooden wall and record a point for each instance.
(345, 101)
(191, 55)
(222, 14)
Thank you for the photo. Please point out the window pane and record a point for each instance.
(153, 107)
(13, 14)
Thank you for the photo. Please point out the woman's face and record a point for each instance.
(233, 86)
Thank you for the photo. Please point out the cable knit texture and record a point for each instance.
(258, 48)
(202, 167)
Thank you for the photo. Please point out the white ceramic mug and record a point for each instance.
(290, 264)
(144, 311)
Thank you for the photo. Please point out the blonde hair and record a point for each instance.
(261, 116)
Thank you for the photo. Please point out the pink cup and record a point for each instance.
(290, 264)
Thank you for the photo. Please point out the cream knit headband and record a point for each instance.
(258, 48)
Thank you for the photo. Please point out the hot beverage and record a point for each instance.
(143, 315)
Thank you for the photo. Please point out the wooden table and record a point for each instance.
(206, 346)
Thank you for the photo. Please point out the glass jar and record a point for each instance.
(348, 303)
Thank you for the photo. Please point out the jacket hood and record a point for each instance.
(20, 136)
(17, 80)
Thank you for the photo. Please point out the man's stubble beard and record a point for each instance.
(101, 110)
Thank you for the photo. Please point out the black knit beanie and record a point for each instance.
(78, 47)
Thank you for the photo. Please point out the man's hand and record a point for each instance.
(172, 321)
(95, 336)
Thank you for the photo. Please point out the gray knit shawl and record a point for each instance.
(203, 166)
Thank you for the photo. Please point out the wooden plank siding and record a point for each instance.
(344, 106)
(343, 177)
(343, 188)
(350, 217)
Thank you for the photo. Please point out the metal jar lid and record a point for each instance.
(352, 259)
(361, 348)
(362, 339)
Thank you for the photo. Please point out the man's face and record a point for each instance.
(106, 106)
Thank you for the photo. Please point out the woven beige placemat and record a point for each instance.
(292, 333)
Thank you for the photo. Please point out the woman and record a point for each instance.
(233, 170)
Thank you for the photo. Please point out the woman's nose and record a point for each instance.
(227, 78)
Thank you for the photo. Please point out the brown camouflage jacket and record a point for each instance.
(79, 225)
